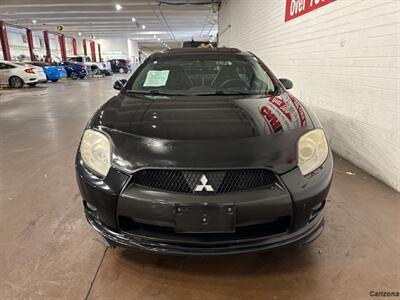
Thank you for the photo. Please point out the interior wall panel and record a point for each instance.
(69, 47)
(55, 47)
(18, 42)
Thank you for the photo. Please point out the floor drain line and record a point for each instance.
(95, 275)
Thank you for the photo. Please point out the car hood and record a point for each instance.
(204, 132)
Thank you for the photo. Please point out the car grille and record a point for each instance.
(204, 182)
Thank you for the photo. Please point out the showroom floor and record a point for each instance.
(49, 251)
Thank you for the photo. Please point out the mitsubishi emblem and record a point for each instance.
(203, 185)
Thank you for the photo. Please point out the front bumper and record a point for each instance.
(291, 213)
(303, 236)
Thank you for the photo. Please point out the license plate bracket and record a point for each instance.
(205, 218)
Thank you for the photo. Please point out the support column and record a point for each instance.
(47, 46)
(74, 48)
(99, 49)
(84, 47)
(93, 50)
(61, 41)
(30, 44)
(4, 41)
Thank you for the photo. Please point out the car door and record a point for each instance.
(5, 72)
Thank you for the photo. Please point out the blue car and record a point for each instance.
(74, 70)
(53, 73)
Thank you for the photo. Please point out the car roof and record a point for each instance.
(9, 62)
(195, 51)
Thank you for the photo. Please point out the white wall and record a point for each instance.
(38, 44)
(344, 61)
(118, 48)
(133, 51)
(79, 44)
(69, 46)
(18, 42)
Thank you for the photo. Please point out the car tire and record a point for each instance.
(74, 76)
(82, 77)
(96, 71)
(32, 84)
(16, 82)
(54, 80)
(121, 70)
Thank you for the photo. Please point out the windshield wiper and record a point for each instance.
(153, 92)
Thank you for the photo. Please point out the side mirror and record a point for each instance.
(119, 84)
(286, 83)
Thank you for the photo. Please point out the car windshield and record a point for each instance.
(202, 75)
(75, 59)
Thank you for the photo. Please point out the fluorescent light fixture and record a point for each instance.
(159, 39)
(79, 33)
(143, 26)
(133, 19)
(155, 36)
(34, 21)
(118, 6)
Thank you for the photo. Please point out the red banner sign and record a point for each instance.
(296, 8)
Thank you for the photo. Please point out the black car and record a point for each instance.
(120, 65)
(204, 152)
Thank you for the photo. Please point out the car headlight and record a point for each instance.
(96, 151)
(312, 150)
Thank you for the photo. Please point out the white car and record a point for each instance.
(95, 68)
(38, 70)
(17, 74)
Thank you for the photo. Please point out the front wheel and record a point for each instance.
(16, 82)
(32, 84)
(82, 77)
(74, 76)
(54, 80)
(121, 70)
(96, 71)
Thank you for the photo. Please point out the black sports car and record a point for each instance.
(204, 151)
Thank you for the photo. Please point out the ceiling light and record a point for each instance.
(34, 21)
(79, 33)
(118, 7)
(159, 39)
(143, 26)
(155, 36)
(133, 19)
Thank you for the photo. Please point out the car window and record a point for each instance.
(22, 64)
(75, 59)
(203, 75)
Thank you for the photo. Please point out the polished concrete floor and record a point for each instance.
(48, 251)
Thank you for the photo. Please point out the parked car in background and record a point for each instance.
(120, 65)
(96, 68)
(53, 73)
(38, 70)
(16, 74)
(74, 70)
